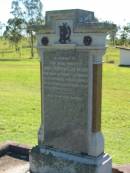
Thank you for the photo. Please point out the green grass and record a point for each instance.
(20, 104)
(19, 101)
(112, 55)
(7, 50)
(116, 112)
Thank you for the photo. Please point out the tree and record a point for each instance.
(25, 13)
(16, 9)
(33, 11)
(15, 24)
(112, 35)
(13, 31)
(124, 35)
(33, 15)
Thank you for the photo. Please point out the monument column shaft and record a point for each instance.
(97, 97)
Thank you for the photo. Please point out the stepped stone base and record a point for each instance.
(50, 160)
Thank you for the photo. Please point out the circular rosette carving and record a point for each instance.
(44, 41)
(87, 40)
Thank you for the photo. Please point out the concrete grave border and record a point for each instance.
(15, 150)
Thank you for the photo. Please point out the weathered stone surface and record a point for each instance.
(67, 99)
(65, 76)
(71, 120)
(71, 45)
(45, 160)
(77, 15)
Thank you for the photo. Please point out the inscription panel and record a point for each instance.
(65, 81)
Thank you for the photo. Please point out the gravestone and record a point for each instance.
(71, 45)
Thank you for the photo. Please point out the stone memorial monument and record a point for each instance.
(71, 45)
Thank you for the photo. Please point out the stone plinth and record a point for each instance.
(48, 160)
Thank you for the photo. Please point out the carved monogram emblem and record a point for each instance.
(65, 33)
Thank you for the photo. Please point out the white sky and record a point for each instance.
(117, 11)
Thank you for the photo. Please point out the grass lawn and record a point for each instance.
(116, 112)
(20, 104)
(19, 100)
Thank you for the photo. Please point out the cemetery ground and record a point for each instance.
(20, 103)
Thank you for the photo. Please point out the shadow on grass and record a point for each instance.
(3, 59)
(125, 66)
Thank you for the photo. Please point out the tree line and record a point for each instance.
(24, 14)
(121, 36)
(29, 12)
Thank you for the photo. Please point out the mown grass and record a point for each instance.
(19, 101)
(112, 55)
(20, 104)
(116, 111)
(7, 50)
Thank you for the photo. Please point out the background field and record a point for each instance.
(20, 102)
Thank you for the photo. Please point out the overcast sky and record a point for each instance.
(117, 11)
